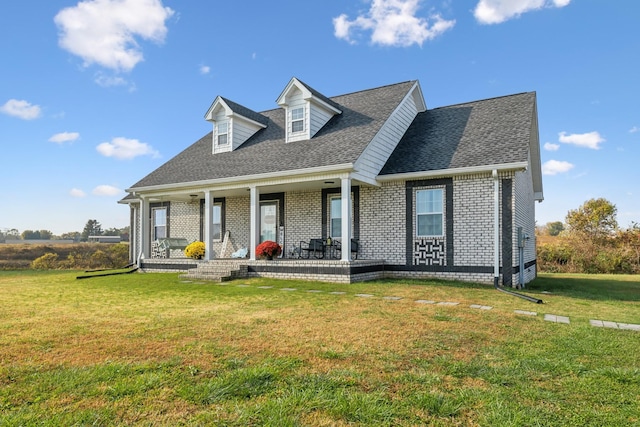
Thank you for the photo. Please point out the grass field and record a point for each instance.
(148, 349)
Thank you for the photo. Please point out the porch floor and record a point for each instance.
(285, 268)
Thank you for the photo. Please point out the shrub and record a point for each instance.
(268, 249)
(47, 261)
(195, 250)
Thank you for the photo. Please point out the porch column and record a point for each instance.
(145, 229)
(346, 218)
(255, 221)
(208, 217)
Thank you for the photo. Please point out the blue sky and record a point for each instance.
(96, 94)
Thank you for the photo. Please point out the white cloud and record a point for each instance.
(205, 69)
(106, 190)
(125, 148)
(76, 192)
(106, 31)
(589, 140)
(109, 81)
(62, 137)
(497, 11)
(634, 129)
(551, 147)
(554, 167)
(21, 109)
(393, 23)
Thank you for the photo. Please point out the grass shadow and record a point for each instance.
(591, 287)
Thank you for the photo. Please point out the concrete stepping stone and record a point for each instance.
(243, 286)
(364, 295)
(556, 319)
(314, 291)
(392, 298)
(525, 312)
(614, 325)
(288, 289)
(481, 307)
(425, 301)
(265, 287)
(337, 293)
(448, 303)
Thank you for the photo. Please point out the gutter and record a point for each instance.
(454, 171)
(245, 180)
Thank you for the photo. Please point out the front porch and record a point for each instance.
(282, 268)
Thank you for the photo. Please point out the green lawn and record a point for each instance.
(148, 349)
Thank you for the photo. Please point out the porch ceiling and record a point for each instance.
(303, 186)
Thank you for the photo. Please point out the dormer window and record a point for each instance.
(297, 120)
(223, 133)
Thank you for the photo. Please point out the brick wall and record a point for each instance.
(524, 216)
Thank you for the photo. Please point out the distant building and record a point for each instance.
(104, 239)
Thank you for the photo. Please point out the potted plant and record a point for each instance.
(195, 250)
(268, 249)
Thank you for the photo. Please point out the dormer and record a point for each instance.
(306, 110)
(233, 124)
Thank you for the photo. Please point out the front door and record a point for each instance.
(269, 221)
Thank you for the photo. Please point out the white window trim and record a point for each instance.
(154, 225)
(218, 204)
(417, 214)
(226, 132)
(296, 120)
(331, 217)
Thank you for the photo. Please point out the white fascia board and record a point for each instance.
(423, 105)
(324, 104)
(246, 180)
(246, 119)
(208, 115)
(456, 171)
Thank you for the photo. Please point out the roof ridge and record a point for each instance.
(484, 99)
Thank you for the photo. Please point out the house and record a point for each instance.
(405, 190)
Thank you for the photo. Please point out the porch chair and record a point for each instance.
(314, 245)
(354, 248)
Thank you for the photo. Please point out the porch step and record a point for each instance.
(217, 271)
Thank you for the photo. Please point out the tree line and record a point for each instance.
(590, 241)
(91, 228)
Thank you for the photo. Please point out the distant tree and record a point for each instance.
(112, 232)
(72, 235)
(30, 235)
(555, 228)
(596, 218)
(45, 234)
(92, 228)
(13, 234)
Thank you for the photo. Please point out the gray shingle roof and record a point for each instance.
(488, 132)
(244, 111)
(341, 140)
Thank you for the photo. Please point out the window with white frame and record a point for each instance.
(159, 217)
(335, 221)
(429, 213)
(216, 222)
(223, 133)
(297, 120)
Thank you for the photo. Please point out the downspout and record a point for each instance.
(496, 229)
(496, 243)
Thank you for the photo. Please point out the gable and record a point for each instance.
(233, 124)
(306, 109)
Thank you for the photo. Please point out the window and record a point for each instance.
(216, 222)
(336, 217)
(223, 133)
(297, 119)
(429, 215)
(159, 223)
